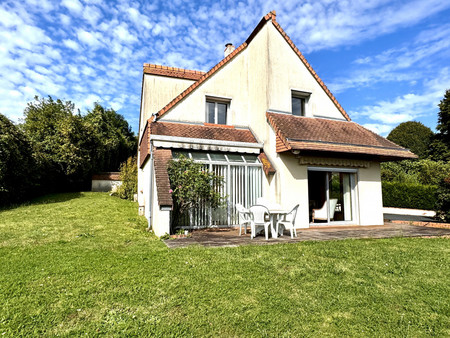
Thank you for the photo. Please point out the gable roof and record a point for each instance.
(172, 72)
(268, 17)
(209, 132)
(331, 136)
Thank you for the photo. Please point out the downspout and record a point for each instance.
(150, 219)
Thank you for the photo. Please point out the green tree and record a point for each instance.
(412, 135)
(128, 176)
(16, 164)
(440, 147)
(61, 141)
(116, 142)
(192, 185)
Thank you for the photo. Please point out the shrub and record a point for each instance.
(409, 195)
(128, 176)
(443, 200)
(191, 186)
(419, 171)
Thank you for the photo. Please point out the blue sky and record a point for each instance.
(385, 61)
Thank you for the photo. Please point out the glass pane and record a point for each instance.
(298, 106)
(210, 112)
(200, 156)
(235, 158)
(217, 157)
(340, 197)
(221, 113)
(251, 158)
(179, 153)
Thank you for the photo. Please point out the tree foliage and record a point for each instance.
(412, 135)
(192, 185)
(16, 164)
(419, 171)
(61, 141)
(128, 176)
(443, 200)
(115, 140)
(440, 146)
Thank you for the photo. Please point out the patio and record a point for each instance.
(229, 237)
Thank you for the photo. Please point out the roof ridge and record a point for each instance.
(172, 72)
(184, 70)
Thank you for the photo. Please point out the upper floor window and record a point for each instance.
(299, 101)
(216, 111)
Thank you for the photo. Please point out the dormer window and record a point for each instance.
(299, 102)
(216, 111)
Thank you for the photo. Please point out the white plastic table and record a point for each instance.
(274, 216)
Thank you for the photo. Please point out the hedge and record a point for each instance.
(409, 195)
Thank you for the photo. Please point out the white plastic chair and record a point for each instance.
(288, 221)
(321, 214)
(244, 218)
(259, 213)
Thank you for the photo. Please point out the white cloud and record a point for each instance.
(73, 6)
(409, 106)
(92, 14)
(71, 44)
(65, 19)
(122, 33)
(398, 64)
(89, 38)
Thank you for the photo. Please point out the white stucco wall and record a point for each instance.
(370, 195)
(260, 78)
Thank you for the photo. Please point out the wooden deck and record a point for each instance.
(230, 237)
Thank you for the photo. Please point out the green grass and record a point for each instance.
(83, 263)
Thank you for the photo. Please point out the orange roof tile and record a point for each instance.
(172, 72)
(161, 161)
(216, 132)
(314, 134)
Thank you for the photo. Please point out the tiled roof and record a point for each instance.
(201, 80)
(210, 132)
(172, 72)
(161, 160)
(270, 16)
(314, 134)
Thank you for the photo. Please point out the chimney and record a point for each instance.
(229, 48)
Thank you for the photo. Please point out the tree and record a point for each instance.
(116, 141)
(61, 141)
(16, 164)
(440, 147)
(128, 176)
(192, 186)
(412, 135)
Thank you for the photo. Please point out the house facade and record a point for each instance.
(264, 120)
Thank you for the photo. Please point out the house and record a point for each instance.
(264, 120)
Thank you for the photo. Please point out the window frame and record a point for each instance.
(304, 97)
(216, 102)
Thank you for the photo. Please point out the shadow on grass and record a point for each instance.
(45, 199)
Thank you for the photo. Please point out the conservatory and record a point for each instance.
(242, 175)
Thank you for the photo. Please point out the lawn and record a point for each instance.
(82, 263)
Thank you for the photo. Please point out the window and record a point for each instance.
(298, 106)
(216, 112)
(299, 101)
(243, 185)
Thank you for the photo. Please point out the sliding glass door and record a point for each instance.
(332, 197)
